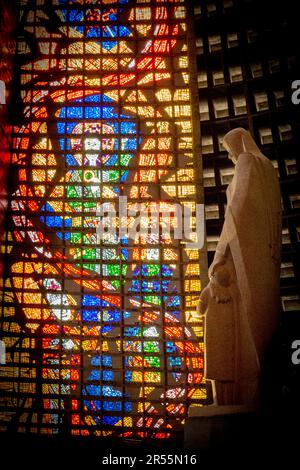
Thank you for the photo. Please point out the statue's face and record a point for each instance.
(231, 154)
(232, 157)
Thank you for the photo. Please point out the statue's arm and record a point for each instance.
(220, 256)
(245, 169)
(203, 302)
(236, 204)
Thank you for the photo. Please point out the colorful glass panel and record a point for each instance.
(102, 334)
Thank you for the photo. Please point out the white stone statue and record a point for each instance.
(241, 301)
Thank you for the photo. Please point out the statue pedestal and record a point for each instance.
(212, 427)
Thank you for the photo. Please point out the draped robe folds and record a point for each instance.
(237, 333)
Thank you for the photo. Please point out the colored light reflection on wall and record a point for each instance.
(103, 337)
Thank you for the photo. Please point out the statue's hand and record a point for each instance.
(219, 285)
(221, 294)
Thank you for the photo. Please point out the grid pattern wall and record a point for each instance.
(247, 59)
(102, 333)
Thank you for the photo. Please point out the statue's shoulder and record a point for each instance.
(245, 162)
(246, 158)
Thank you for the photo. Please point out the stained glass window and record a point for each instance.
(102, 333)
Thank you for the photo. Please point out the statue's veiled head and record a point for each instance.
(240, 141)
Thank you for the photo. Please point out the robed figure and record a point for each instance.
(241, 301)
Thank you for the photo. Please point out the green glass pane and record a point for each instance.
(150, 346)
(153, 299)
(75, 237)
(153, 361)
